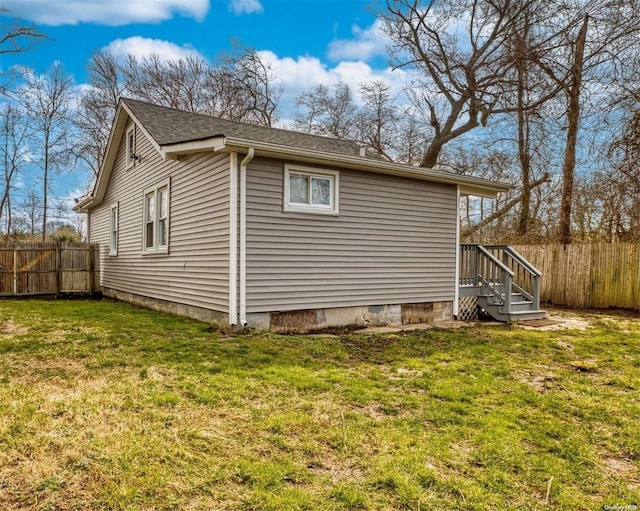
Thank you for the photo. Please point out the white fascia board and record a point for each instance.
(469, 185)
(117, 130)
(173, 151)
(142, 128)
(84, 205)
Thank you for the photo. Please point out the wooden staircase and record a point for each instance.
(506, 285)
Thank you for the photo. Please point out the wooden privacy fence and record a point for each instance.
(588, 275)
(49, 269)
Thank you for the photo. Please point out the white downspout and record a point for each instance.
(243, 235)
(233, 239)
(456, 289)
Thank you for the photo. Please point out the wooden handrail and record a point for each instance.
(506, 277)
(516, 256)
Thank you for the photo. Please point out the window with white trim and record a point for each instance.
(113, 230)
(155, 229)
(130, 157)
(311, 190)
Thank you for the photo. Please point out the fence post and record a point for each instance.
(90, 269)
(15, 272)
(58, 270)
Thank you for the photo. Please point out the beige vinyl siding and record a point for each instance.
(196, 269)
(393, 242)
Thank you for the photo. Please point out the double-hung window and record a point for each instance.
(311, 190)
(113, 230)
(156, 219)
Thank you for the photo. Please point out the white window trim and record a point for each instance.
(129, 161)
(162, 249)
(113, 247)
(334, 176)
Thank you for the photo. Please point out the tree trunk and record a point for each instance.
(502, 211)
(573, 123)
(524, 154)
(430, 157)
(45, 179)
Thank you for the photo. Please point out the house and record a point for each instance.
(247, 225)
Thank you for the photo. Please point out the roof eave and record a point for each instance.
(83, 205)
(469, 185)
(99, 188)
(173, 151)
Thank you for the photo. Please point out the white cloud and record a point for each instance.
(144, 47)
(106, 12)
(367, 43)
(306, 72)
(239, 7)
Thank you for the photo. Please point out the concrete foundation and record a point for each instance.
(303, 321)
(179, 309)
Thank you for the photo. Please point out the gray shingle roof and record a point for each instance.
(171, 126)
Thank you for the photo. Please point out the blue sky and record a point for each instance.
(307, 42)
(335, 32)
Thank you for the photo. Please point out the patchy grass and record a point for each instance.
(105, 406)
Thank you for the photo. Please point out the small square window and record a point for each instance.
(310, 190)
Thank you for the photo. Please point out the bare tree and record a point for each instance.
(573, 121)
(96, 109)
(321, 112)
(31, 219)
(374, 118)
(379, 119)
(16, 37)
(47, 100)
(254, 81)
(411, 138)
(13, 153)
(173, 83)
(463, 77)
(310, 106)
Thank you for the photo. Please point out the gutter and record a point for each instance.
(243, 235)
(81, 205)
(468, 184)
(456, 286)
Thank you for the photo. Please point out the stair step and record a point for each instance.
(526, 315)
(522, 306)
(519, 311)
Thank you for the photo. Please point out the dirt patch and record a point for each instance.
(623, 468)
(61, 372)
(544, 380)
(10, 327)
(584, 366)
(336, 469)
(68, 364)
(537, 323)
(565, 343)
(557, 320)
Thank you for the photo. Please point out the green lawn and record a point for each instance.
(107, 406)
